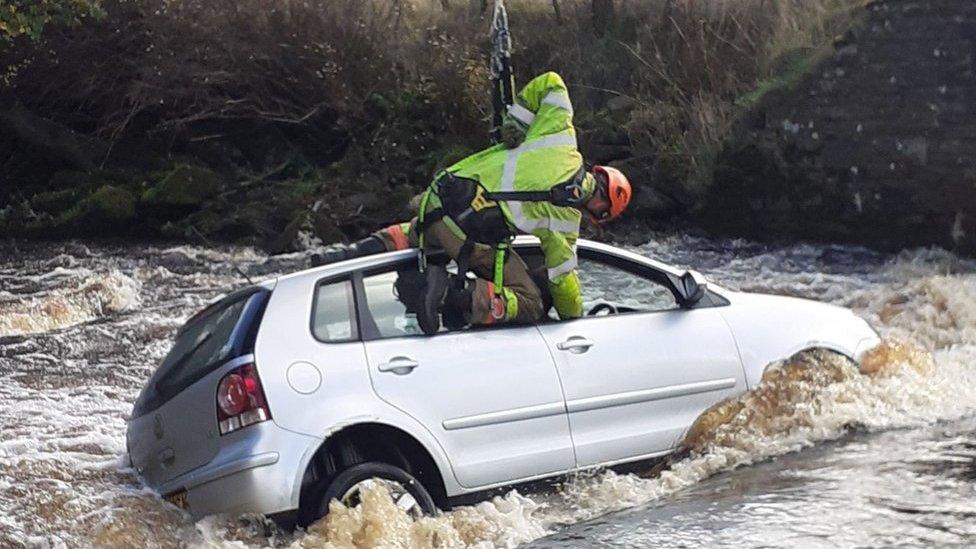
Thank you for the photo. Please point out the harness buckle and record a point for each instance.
(422, 261)
(575, 193)
(497, 306)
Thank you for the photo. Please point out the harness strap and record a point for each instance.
(464, 256)
(428, 219)
(499, 279)
(567, 193)
(424, 219)
(521, 196)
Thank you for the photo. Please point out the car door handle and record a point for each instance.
(575, 344)
(399, 365)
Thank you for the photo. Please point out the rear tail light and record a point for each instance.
(240, 400)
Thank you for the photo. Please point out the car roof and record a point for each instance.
(521, 241)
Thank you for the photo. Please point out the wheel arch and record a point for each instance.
(372, 441)
(812, 346)
(755, 371)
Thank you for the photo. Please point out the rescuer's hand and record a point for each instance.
(513, 132)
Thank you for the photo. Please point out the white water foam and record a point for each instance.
(79, 301)
(65, 396)
(818, 398)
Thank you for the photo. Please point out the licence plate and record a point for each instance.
(178, 499)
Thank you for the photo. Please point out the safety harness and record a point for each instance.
(476, 212)
(467, 203)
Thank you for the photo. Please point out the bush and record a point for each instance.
(29, 17)
(108, 208)
(379, 91)
(184, 186)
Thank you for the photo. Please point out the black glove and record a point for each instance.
(333, 254)
(341, 252)
(513, 132)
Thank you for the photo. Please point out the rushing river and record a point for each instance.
(818, 456)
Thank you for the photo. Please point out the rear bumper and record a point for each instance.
(257, 470)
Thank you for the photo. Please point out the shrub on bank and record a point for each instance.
(323, 100)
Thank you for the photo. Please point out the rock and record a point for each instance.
(620, 103)
(55, 201)
(325, 228)
(72, 180)
(287, 240)
(109, 204)
(108, 208)
(185, 186)
(177, 261)
(649, 203)
(77, 249)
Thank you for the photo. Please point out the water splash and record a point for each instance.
(79, 301)
(377, 522)
(69, 384)
(810, 397)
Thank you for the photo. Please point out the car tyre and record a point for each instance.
(342, 487)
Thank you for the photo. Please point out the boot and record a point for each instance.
(434, 292)
(456, 312)
(341, 252)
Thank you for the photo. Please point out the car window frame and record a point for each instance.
(654, 275)
(369, 330)
(355, 310)
(646, 272)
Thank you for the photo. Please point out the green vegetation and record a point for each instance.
(796, 64)
(107, 207)
(253, 119)
(183, 186)
(29, 17)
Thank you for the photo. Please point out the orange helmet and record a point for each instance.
(618, 191)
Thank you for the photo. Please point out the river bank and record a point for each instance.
(841, 121)
(257, 124)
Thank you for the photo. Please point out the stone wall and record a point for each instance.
(876, 146)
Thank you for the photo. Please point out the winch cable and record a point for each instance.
(230, 256)
(502, 79)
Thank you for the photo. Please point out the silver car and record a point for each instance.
(281, 397)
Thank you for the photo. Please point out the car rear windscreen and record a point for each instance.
(222, 331)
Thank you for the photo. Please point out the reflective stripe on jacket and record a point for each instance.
(548, 157)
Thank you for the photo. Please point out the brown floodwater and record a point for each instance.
(818, 455)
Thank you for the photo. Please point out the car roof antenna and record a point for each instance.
(237, 267)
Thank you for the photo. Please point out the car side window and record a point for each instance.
(334, 314)
(626, 291)
(393, 298)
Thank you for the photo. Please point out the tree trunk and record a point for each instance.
(558, 12)
(446, 4)
(602, 12)
(51, 139)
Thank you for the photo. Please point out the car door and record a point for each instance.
(636, 379)
(491, 397)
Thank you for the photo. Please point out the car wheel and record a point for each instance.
(346, 487)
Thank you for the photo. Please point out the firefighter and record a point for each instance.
(533, 182)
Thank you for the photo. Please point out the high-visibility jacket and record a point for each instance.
(548, 157)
